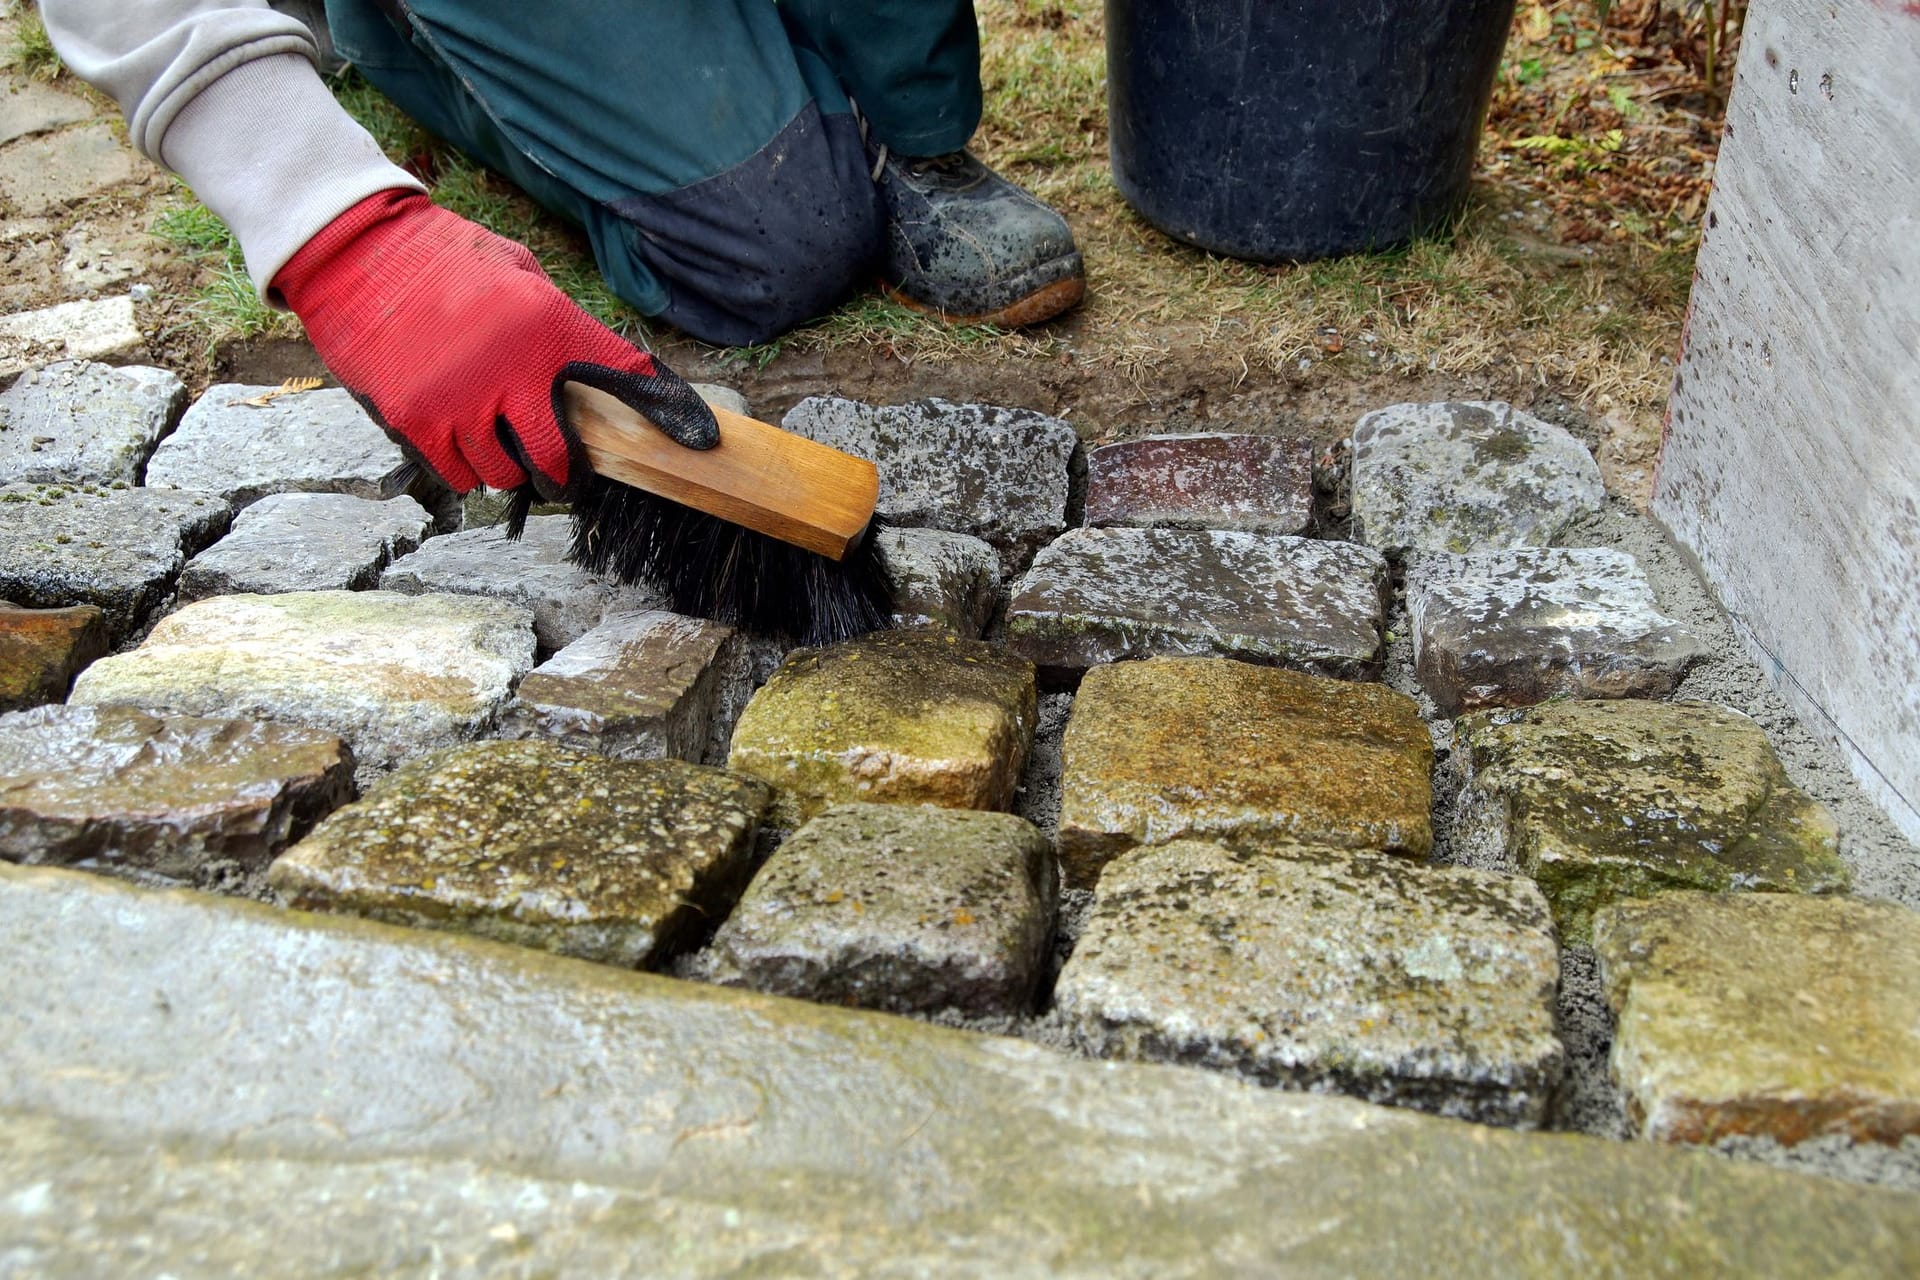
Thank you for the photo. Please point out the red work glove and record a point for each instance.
(457, 343)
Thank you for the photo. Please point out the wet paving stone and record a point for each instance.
(941, 579)
(1243, 755)
(903, 908)
(168, 794)
(1771, 1015)
(117, 549)
(1257, 484)
(304, 442)
(1467, 476)
(533, 570)
(638, 686)
(1102, 595)
(996, 473)
(1512, 628)
(1600, 801)
(1331, 970)
(531, 843)
(394, 675)
(895, 717)
(307, 542)
(41, 650)
(81, 423)
(93, 329)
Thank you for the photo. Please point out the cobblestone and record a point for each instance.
(1103, 595)
(1600, 801)
(1243, 755)
(82, 423)
(306, 542)
(1325, 969)
(941, 579)
(907, 909)
(166, 794)
(531, 843)
(93, 329)
(41, 650)
(1467, 476)
(1257, 484)
(896, 717)
(1512, 628)
(394, 675)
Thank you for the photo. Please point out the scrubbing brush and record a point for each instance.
(767, 531)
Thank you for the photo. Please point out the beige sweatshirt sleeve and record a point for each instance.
(224, 93)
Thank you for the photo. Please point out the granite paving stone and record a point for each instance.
(1327, 969)
(1512, 628)
(1774, 1015)
(1257, 484)
(394, 675)
(899, 717)
(1467, 476)
(532, 570)
(384, 1101)
(1103, 595)
(535, 844)
(307, 542)
(639, 685)
(91, 329)
(1604, 800)
(41, 650)
(745, 665)
(909, 909)
(1243, 755)
(117, 549)
(48, 172)
(940, 579)
(28, 107)
(167, 794)
(81, 423)
(301, 442)
(95, 258)
(997, 473)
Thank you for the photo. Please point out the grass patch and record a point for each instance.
(32, 50)
(225, 307)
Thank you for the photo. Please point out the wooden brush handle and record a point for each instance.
(760, 477)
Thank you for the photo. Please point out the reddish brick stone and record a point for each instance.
(1260, 484)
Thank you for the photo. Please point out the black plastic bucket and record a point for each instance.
(1293, 129)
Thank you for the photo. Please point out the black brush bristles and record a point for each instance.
(712, 568)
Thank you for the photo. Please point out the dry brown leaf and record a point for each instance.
(291, 386)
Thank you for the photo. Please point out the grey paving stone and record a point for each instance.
(566, 600)
(307, 542)
(723, 398)
(531, 843)
(1764, 1015)
(1102, 595)
(41, 650)
(941, 579)
(1213, 749)
(94, 258)
(1466, 476)
(96, 329)
(1325, 969)
(51, 171)
(1512, 628)
(1605, 800)
(908, 909)
(1258, 484)
(28, 107)
(999, 474)
(305, 442)
(637, 686)
(119, 549)
(379, 1097)
(394, 675)
(168, 794)
(82, 423)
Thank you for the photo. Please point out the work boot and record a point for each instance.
(965, 243)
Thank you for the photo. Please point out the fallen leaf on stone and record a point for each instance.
(290, 387)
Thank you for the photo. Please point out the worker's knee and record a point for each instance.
(774, 241)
